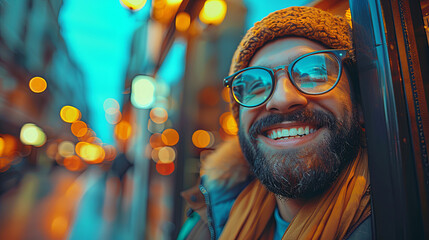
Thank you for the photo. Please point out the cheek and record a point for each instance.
(247, 117)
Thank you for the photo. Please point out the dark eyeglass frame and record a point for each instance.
(340, 56)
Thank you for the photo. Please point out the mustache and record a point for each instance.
(315, 117)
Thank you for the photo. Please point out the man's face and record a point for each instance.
(305, 165)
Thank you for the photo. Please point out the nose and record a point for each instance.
(286, 98)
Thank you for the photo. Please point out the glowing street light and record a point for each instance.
(32, 135)
(213, 12)
(143, 92)
(37, 85)
(133, 5)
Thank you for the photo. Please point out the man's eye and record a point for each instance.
(257, 87)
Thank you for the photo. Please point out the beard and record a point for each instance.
(304, 172)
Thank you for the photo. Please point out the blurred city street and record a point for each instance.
(107, 108)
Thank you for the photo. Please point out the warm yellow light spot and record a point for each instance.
(133, 4)
(79, 128)
(66, 148)
(70, 114)
(201, 138)
(32, 135)
(143, 91)
(158, 115)
(213, 12)
(165, 168)
(123, 130)
(166, 155)
(174, 2)
(38, 84)
(170, 137)
(225, 94)
(2, 146)
(89, 152)
(228, 123)
(59, 227)
(183, 21)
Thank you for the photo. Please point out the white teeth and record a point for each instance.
(285, 133)
(291, 133)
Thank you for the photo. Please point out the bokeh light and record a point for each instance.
(165, 168)
(154, 154)
(158, 115)
(37, 84)
(66, 149)
(74, 163)
(32, 135)
(174, 2)
(155, 140)
(201, 139)
(70, 114)
(91, 153)
(228, 123)
(110, 105)
(10, 145)
(166, 155)
(134, 5)
(170, 137)
(123, 130)
(183, 21)
(2, 146)
(143, 91)
(79, 128)
(213, 12)
(113, 118)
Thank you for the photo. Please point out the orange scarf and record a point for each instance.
(331, 216)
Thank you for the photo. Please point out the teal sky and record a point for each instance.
(98, 34)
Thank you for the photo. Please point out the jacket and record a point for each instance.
(224, 174)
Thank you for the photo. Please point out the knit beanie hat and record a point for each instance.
(334, 32)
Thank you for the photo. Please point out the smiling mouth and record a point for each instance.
(281, 133)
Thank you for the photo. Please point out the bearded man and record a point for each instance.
(304, 173)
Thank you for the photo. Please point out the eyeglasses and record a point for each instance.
(313, 73)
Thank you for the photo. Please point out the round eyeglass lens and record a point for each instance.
(252, 87)
(316, 73)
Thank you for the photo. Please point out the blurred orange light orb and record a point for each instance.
(183, 21)
(70, 114)
(123, 130)
(79, 128)
(38, 84)
(170, 137)
(201, 139)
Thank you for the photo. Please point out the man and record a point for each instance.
(305, 173)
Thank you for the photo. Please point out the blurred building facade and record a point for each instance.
(31, 46)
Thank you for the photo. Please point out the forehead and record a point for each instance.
(283, 51)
